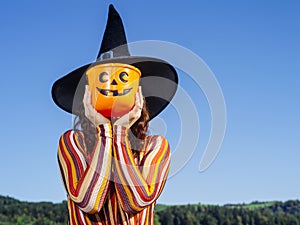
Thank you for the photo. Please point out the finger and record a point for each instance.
(137, 105)
(137, 99)
(87, 102)
(89, 99)
(85, 94)
(85, 98)
(135, 112)
(141, 97)
(140, 91)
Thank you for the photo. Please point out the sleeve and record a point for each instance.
(139, 186)
(86, 183)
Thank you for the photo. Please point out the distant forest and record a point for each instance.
(15, 212)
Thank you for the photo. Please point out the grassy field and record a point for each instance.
(258, 205)
(253, 205)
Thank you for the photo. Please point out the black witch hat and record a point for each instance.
(158, 78)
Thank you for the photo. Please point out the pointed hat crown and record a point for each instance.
(114, 37)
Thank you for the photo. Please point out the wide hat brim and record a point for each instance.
(158, 80)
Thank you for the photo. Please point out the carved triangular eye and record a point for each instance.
(103, 77)
(123, 77)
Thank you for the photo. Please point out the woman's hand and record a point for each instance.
(89, 111)
(133, 115)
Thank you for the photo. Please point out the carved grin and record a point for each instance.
(113, 92)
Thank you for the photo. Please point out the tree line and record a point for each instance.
(276, 213)
(15, 212)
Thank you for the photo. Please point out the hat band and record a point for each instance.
(106, 55)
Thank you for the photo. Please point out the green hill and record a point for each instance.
(255, 213)
(15, 212)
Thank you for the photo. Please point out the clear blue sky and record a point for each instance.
(253, 48)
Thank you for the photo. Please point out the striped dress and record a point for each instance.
(112, 186)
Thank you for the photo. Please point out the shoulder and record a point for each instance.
(156, 138)
(71, 150)
(72, 135)
(156, 142)
(156, 150)
(72, 138)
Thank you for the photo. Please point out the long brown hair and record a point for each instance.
(136, 136)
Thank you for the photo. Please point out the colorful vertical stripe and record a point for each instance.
(112, 186)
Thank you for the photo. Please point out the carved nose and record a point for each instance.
(114, 82)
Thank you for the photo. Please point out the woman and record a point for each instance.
(109, 183)
(112, 171)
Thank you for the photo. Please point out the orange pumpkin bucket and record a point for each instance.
(113, 87)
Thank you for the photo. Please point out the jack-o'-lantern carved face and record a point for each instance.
(113, 87)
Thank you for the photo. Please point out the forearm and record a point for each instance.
(86, 183)
(139, 186)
